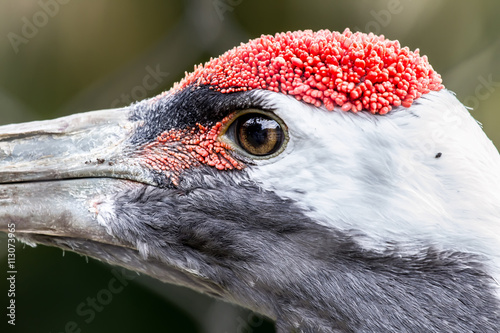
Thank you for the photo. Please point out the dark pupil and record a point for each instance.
(256, 130)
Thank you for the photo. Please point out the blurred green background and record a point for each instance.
(59, 57)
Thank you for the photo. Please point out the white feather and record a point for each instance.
(379, 175)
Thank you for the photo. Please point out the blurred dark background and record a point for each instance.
(59, 57)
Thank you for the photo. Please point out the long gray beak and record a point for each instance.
(53, 172)
(55, 176)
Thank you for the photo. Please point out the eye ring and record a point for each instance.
(255, 133)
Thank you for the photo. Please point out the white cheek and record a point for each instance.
(322, 171)
(379, 175)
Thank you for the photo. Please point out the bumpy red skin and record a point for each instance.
(354, 71)
(176, 150)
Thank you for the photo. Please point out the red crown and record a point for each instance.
(354, 71)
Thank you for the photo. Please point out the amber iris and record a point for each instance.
(259, 135)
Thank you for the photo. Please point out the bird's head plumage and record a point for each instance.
(324, 179)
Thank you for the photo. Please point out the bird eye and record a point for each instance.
(257, 133)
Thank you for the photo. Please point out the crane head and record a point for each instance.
(326, 180)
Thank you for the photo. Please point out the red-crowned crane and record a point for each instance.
(326, 180)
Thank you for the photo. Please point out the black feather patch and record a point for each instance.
(186, 108)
